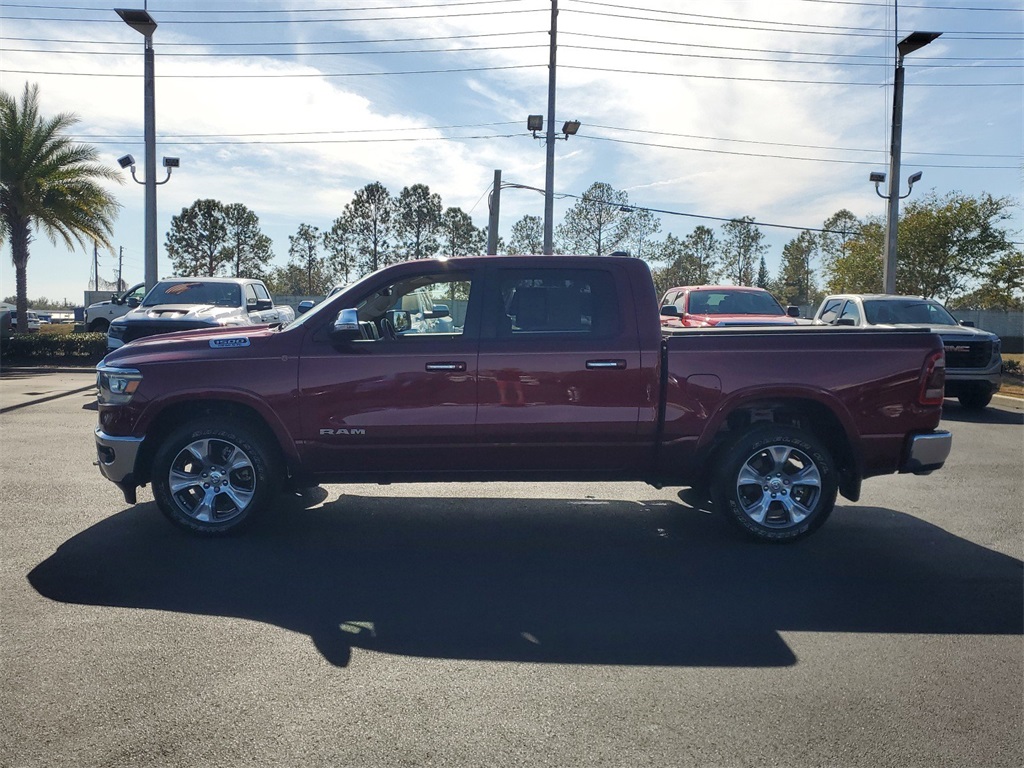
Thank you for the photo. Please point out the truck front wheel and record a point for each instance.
(98, 326)
(212, 478)
(976, 397)
(776, 482)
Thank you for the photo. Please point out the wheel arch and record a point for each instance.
(180, 412)
(819, 418)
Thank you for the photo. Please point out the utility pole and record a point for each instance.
(549, 175)
(492, 219)
(120, 264)
(95, 266)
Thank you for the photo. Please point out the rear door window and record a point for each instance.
(556, 302)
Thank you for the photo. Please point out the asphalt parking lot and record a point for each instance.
(473, 625)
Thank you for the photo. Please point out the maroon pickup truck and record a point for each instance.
(529, 368)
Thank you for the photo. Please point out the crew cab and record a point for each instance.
(98, 316)
(704, 306)
(974, 361)
(552, 368)
(191, 303)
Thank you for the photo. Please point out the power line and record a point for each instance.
(374, 41)
(882, 63)
(314, 138)
(817, 29)
(780, 80)
(781, 144)
(178, 136)
(879, 63)
(271, 43)
(240, 22)
(783, 52)
(230, 11)
(297, 54)
(325, 75)
(456, 70)
(782, 157)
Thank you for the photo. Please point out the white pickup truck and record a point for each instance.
(99, 316)
(193, 303)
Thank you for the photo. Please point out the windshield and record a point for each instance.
(719, 302)
(197, 292)
(319, 308)
(906, 311)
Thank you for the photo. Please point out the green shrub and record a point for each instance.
(1012, 366)
(72, 348)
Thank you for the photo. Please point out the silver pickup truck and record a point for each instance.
(973, 359)
(194, 303)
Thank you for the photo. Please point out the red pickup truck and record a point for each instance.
(544, 368)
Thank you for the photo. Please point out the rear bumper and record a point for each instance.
(927, 452)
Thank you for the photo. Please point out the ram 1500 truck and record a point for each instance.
(190, 303)
(552, 368)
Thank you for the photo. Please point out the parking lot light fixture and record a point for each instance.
(143, 23)
(909, 44)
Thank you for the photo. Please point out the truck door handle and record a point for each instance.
(597, 364)
(446, 366)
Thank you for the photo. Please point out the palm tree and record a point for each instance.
(48, 183)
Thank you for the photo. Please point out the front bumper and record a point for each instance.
(927, 452)
(117, 456)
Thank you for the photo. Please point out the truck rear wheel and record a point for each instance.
(777, 483)
(212, 478)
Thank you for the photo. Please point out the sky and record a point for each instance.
(699, 111)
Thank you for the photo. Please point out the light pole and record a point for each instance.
(535, 123)
(910, 43)
(143, 23)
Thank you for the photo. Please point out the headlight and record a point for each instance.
(116, 331)
(116, 386)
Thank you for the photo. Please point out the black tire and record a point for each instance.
(777, 483)
(975, 398)
(98, 326)
(213, 477)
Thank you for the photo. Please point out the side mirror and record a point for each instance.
(305, 306)
(133, 301)
(847, 321)
(346, 326)
(264, 304)
(967, 323)
(114, 299)
(439, 310)
(793, 311)
(670, 310)
(400, 320)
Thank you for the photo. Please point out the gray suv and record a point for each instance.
(973, 360)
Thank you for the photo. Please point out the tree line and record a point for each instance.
(954, 247)
(951, 247)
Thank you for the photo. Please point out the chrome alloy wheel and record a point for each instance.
(778, 486)
(212, 480)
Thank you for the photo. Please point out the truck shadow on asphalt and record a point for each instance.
(579, 582)
(991, 415)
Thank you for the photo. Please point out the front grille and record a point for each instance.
(968, 354)
(137, 330)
